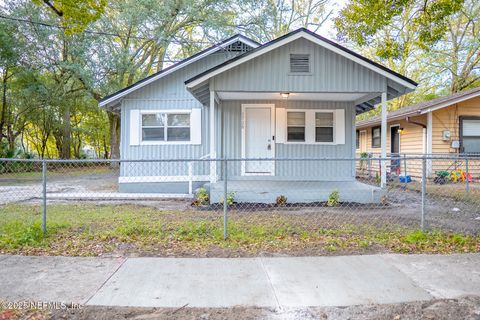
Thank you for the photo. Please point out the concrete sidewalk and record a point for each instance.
(263, 282)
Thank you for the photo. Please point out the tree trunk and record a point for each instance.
(4, 103)
(114, 121)
(105, 148)
(65, 149)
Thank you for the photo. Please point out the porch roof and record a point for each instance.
(396, 84)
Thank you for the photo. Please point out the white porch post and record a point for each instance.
(383, 142)
(213, 153)
(429, 142)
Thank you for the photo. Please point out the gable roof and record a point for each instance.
(141, 83)
(289, 37)
(424, 107)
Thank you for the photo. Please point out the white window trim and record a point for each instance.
(167, 111)
(310, 126)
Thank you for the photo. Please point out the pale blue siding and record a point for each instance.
(167, 93)
(270, 73)
(301, 170)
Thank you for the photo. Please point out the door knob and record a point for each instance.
(269, 147)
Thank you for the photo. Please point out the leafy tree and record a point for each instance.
(266, 20)
(362, 20)
(67, 54)
(76, 15)
(456, 57)
(435, 42)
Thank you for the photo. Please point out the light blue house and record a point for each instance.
(294, 97)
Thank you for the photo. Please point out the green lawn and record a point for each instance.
(88, 229)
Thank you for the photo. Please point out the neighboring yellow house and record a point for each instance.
(449, 125)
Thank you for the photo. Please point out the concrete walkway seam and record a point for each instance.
(270, 283)
(106, 280)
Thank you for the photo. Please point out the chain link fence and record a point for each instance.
(277, 196)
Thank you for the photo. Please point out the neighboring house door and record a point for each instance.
(363, 141)
(257, 138)
(395, 149)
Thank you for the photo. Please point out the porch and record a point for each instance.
(262, 106)
(296, 191)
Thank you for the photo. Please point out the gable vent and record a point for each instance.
(238, 46)
(299, 63)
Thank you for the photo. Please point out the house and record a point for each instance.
(294, 97)
(445, 126)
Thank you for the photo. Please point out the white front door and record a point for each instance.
(257, 138)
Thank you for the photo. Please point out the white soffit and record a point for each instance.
(320, 96)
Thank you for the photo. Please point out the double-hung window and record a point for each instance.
(165, 127)
(470, 134)
(296, 126)
(323, 126)
(311, 126)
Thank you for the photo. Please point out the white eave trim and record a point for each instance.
(314, 39)
(450, 102)
(179, 66)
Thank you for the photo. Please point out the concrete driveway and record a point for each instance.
(263, 282)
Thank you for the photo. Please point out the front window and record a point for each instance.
(166, 127)
(296, 126)
(324, 127)
(376, 137)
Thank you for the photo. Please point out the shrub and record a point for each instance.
(230, 198)
(333, 199)
(281, 201)
(201, 197)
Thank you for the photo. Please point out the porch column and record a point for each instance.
(429, 143)
(213, 153)
(383, 142)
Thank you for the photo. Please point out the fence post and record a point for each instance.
(225, 204)
(405, 170)
(369, 163)
(190, 178)
(424, 190)
(44, 197)
(466, 174)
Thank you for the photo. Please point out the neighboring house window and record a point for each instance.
(357, 139)
(376, 137)
(470, 134)
(296, 126)
(166, 127)
(299, 63)
(323, 126)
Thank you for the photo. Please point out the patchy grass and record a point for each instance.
(91, 230)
